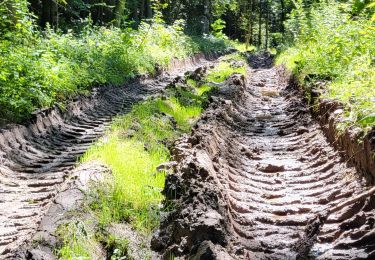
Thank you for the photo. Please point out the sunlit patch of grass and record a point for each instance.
(133, 150)
(203, 89)
(221, 72)
(185, 116)
(135, 194)
(241, 47)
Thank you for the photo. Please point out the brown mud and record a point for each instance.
(38, 159)
(258, 179)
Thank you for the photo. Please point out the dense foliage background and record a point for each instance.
(52, 49)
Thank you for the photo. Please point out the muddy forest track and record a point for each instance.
(279, 172)
(37, 159)
(268, 171)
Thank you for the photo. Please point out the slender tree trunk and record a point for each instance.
(249, 35)
(282, 29)
(267, 24)
(148, 9)
(260, 24)
(49, 13)
(119, 12)
(142, 9)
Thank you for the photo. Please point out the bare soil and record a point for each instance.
(258, 179)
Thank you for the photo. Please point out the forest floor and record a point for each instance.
(256, 179)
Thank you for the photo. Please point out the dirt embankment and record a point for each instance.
(356, 146)
(255, 175)
(38, 158)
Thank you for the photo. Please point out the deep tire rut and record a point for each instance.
(254, 176)
(37, 159)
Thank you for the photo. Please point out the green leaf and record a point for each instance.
(368, 120)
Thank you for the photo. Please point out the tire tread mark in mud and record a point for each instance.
(37, 158)
(275, 171)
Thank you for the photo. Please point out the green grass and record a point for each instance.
(77, 241)
(225, 68)
(133, 149)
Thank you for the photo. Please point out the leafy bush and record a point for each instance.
(43, 70)
(330, 45)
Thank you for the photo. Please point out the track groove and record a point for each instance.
(273, 172)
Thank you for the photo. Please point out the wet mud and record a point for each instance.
(37, 159)
(258, 179)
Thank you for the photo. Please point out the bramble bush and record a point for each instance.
(332, 45)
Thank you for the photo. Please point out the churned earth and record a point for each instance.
(257, 179)
(38, 158)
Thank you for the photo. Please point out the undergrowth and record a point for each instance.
(338, 49)
(38, 70)
(136, 144)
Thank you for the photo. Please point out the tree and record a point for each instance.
(119, 12)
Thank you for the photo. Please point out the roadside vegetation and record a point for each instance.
(135, 146)
(39, 70)
(334, 46)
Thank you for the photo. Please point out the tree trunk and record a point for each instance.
(142, 9)
(267, 24)
(119, 12)
(260, 25)
(282, 29)
(148, 9)
(49, 13)
(249, 35)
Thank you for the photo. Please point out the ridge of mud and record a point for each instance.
(38, 158)
(354, 144)
(254, 176)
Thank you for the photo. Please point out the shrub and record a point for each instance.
(332, 46)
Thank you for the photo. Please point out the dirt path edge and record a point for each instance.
(356, 146)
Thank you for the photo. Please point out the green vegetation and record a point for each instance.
(50, 51)
(133, 150)
(333, 46)
(39, 71)
(230, 64)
